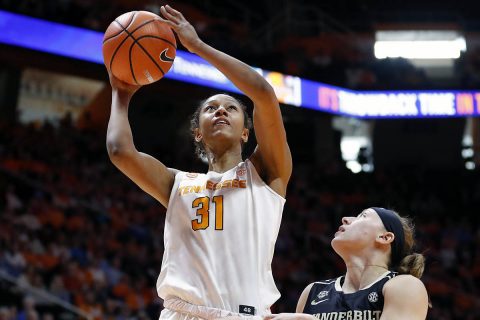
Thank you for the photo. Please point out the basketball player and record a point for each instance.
(382, 278)
(220, 227)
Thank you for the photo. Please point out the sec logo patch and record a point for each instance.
(241, 172)
(373, 297)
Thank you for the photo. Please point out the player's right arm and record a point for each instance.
(303, 298)
(148, 173)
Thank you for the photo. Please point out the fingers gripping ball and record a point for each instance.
(139, 48)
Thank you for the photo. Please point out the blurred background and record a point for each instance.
(78, 239)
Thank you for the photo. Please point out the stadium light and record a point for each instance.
(354, 166)
(470, 165)
(419, 44)
(467, 153)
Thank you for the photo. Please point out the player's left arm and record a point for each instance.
(405, 298)
(272, 157)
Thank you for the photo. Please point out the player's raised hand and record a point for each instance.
(185, 31)
(121, 86)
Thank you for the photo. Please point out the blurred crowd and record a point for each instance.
(71, 235)
(337, 59)
(73, 226)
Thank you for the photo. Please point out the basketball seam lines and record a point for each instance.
(159, 38)
(147, 53)
(120, 32)
(135, 41)
(121, 43)
(128, 35)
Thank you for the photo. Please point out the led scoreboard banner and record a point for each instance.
(390, 104)
(83, 44)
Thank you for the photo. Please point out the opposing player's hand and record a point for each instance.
(184, 30)
(121, 86)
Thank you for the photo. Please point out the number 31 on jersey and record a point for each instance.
(202, 205)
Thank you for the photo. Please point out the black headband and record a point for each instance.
(392, 223)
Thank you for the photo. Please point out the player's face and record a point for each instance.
(358, 232)
(221, 119)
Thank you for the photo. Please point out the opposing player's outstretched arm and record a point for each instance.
(272, 156)
(147, 172)
(405, 298)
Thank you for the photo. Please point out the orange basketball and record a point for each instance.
(138, 47)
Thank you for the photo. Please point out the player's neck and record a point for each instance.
(221, 162)
(361, 274)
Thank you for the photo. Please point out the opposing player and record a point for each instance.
(220, 227)
(382, 278)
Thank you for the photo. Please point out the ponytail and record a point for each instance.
(413, 264)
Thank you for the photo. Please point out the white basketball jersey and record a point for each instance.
(220, 233)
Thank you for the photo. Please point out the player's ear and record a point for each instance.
(385, 237)
(245, 134)
(198, 135)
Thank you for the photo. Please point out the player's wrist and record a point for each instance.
(196, 46)
(121, 95)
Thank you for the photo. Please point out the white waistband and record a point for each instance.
(208, 313)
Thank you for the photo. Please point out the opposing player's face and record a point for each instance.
(221, 119)
(358, 232)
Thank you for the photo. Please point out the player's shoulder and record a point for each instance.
(322, 285)
(189, 175)
(174, 172)
(404, 279)
(315, 286)
(405, 295)
(404, 283)
(325, 282)
(314, 290)
(308, 288)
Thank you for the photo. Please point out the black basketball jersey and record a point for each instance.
(326, 300)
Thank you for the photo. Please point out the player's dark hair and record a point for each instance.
(195, 123)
